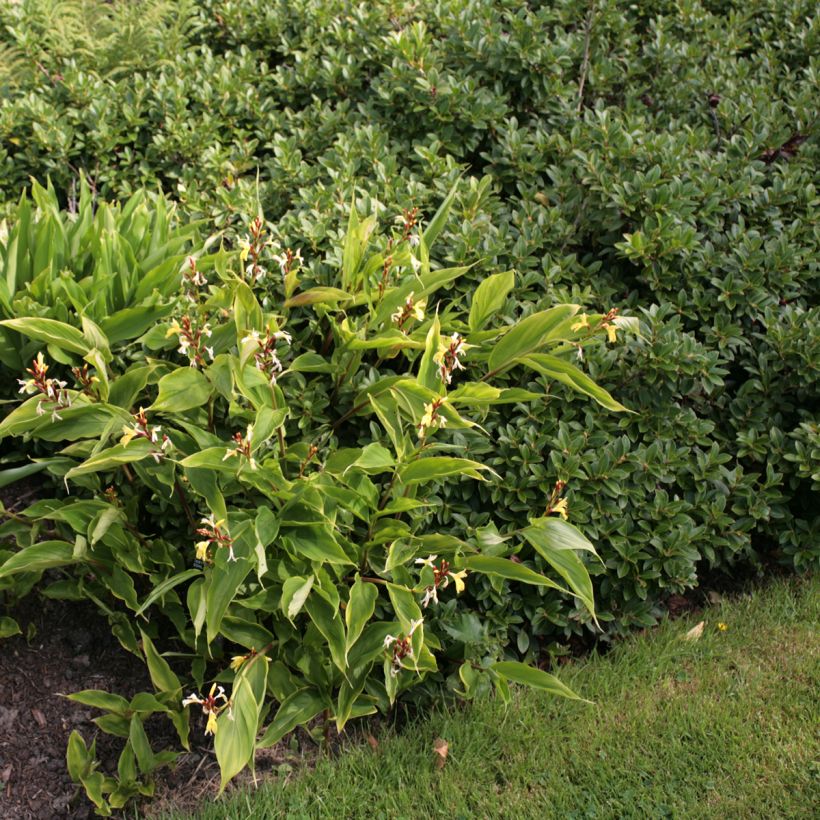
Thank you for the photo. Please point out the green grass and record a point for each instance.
(723, 727)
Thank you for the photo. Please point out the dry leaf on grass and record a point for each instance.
(442, 749)
(695, 632)
(374, 744)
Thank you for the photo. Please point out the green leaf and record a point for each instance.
(99, 699)
(182, 389)
(39, 557)
(404, 605)
(162, 676)
(536, 678)
(568, 374)
(428, 369)
(13, 474)
(360, 608)
(489, 297)
(79, 758)
(316, 543)
(236, 733)
(297, 709)
(142, 748)
(225, 581)
(556, 542)
(9, 627)
(439, 220)
(504, 568)
(51, 332)
(434, 467)
(112, 458)
(527, 336)
(319, 296)
(310, 363)
(375, 458)
(166, 586)
(328, 621)
(295, 591)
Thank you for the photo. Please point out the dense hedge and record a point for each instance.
(661, 156)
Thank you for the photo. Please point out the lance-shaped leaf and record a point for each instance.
(556, 542)
(360, 608)
(504, 568)
(489, 297)
(536, 678)
(571, 376)
(435, 467)
(51, 332)
(39, 557)
(297, 709)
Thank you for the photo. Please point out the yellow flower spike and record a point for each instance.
(201, 550)
(611, 333)
(237, 661)
(458, 580)
(211, 728)
(583, 322)
(562, 508)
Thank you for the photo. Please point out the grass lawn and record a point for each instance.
(724, 727)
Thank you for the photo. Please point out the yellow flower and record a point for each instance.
(246, 249)
(611, 332)
(583, 322)
(458, 580)
(210, 729)
(722, 626)
(237, 661)
(173, 329)
(562, 508)
(201, 550)
(128, 433)
(418, 310)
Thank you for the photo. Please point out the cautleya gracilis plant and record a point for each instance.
(278, 554)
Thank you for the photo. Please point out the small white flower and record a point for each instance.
(413, 239)
(430, 595)
(415, 264)
(282, 335)
(389, 641)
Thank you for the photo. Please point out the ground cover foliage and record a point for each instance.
(658, 161)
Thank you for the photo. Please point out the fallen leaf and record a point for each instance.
(5, 775)
(374, 744)
(39, 717)
(714, 597)
(442, 749)
(695, 632)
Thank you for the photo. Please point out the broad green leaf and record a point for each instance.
(162, 676)
(360, 608)
(329, 623)
(79, 758)
(404, 605)
(504, 568)
(13, 474)
(39, 557)
(319, 296)
(439, 219)
(536, 678)
(556, 542)
(434, 467)
(374, 459)
(489, 297)
(428, 369)
(8, 627)
(297, 709)
(236, 733)
(166, 586)
(142, 748)
(295, 591)
(113, 457)
(527, 336)
(182, 389)
(316, 543)
(568, 374)
(310, 363)
(225, 581)
(51, 332)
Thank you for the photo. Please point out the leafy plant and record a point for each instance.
(283, 553)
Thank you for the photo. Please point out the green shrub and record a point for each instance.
(245, 490)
